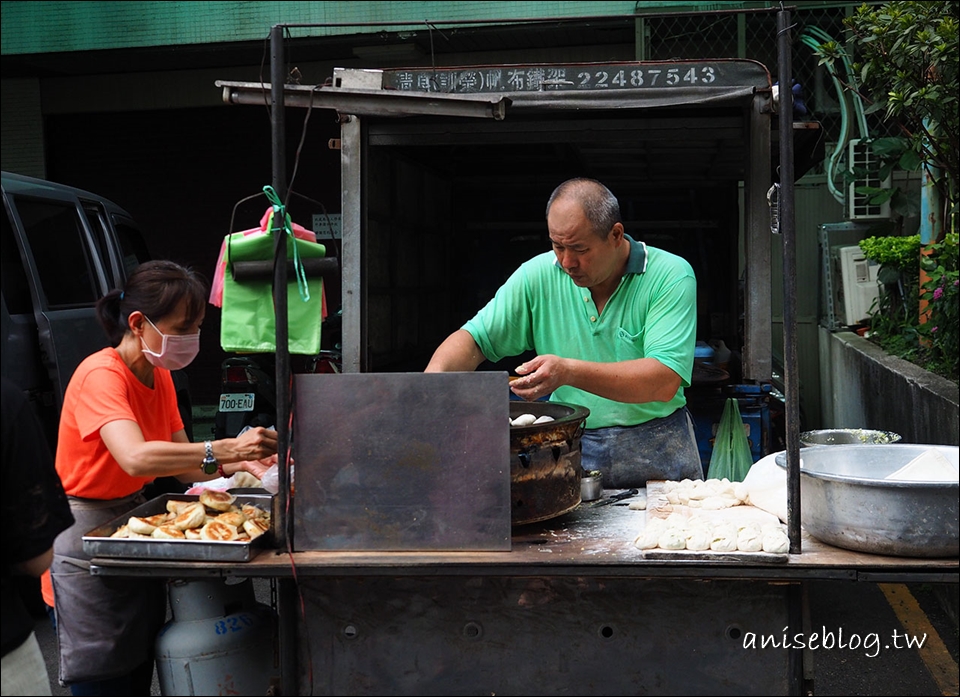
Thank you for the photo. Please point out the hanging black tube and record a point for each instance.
(788, 235)
(286, 596)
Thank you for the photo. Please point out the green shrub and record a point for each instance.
(941, 292)
(895, 318)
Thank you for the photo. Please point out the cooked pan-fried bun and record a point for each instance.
(217, 500)
(234, 518)
(176, 507)
(255, 527)
(122, 531)
(215, 531)
(191, 517)
(251, 511)
(168, 532)
(140, 526)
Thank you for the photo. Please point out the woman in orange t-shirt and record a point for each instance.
(120, 428)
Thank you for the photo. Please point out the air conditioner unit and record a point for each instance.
(858, 205)
(855, 284)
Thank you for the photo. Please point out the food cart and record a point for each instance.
(564, 604)
(573, 606)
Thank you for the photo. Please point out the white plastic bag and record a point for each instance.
(271, 479)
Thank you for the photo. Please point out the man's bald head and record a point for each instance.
(600, 206)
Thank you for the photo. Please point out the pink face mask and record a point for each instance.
(176, 351)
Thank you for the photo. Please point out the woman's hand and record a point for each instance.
(253, 444)
(258, 468)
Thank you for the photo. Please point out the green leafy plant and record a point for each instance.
(906, 66)
(908, 63)
(895, 312)
(941, 291)
(895, 319)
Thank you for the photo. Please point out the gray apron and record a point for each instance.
(106, 626)
(630, 455)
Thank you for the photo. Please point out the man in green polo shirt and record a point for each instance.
(613, 323)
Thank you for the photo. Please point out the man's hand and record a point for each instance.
(634, 382)
(539, 377)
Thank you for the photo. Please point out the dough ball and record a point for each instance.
(639, 504)
(749, 539)
(719, 502)
(698, 491)
(724, 538)
(775, 540)
(649, 537)
(677, 520)
(699, 537)
(673, 538)
(523, 420)
(718, 486)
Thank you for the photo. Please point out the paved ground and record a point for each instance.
(855, 608)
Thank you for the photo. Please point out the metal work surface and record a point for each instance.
(433, 474)
(587, 541)
(534, 635)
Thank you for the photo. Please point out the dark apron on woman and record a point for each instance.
(106, 626)
(628, 456)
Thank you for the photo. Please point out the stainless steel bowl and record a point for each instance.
(846, 502)
(844, 436)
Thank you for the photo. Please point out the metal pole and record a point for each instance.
(286, 601)
(277, 127)
(791, 380)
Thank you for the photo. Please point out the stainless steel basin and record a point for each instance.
(846, 502)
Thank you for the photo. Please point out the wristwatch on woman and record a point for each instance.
(210, 464)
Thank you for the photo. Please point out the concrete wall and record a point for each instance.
(864, 387)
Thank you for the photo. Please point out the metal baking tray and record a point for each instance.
(98, 543)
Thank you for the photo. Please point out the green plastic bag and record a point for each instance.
(248, 323)
(731, 458)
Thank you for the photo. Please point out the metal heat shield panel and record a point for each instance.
(402, 462)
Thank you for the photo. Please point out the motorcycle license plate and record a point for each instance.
(237, 401)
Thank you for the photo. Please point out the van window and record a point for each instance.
(16, 291)
(97, 223)
(60, 252)
(132, 245)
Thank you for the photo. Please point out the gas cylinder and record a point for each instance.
(220, 641)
